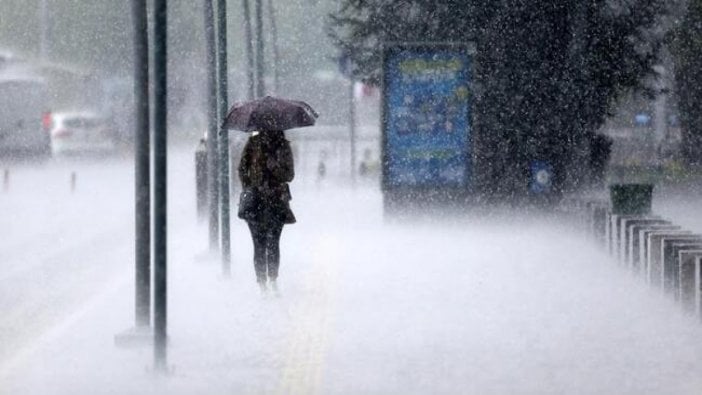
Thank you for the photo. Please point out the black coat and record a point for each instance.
(266, 167)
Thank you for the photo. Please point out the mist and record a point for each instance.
(497, 283)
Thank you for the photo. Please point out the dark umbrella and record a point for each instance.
(270, 113)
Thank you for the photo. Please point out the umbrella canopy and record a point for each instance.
(270, 113)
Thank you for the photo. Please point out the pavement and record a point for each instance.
(481, 304)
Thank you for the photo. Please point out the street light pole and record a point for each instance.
(347, 67)
(260, 69)
(43, 30)
(251, 82)
(160, 173)
(276, 52)
(223, 135)
(142, 166)
(212, 125)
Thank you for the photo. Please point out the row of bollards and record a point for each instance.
(73, 180)
(661, 253)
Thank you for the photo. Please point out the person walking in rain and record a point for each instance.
(265, 169)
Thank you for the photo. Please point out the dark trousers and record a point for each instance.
(266, 241)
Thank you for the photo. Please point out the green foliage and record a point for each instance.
(686, 46)
(548, 72)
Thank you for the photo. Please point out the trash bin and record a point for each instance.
(631, 199)
(201, 178)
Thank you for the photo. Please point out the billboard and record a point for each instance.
(427, 116)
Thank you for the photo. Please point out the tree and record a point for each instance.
(686, 47)
(548, 72)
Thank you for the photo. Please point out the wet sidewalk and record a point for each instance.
(485, 305)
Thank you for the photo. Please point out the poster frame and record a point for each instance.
(396, 193)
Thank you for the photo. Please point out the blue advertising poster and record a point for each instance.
(427, 119)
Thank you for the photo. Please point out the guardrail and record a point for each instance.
(659, 252)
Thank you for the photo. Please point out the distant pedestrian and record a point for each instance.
(364, 169)
(265, 169)
(322, 166)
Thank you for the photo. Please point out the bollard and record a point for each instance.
(671, 267)
(6, 180)
(636, 243)
(612, 232)
(615, 234)
(598, 208)
(689, 291)
(644, 236)
(625, 234)
(655, 254)
(666, 265)
(201, 179)
(599, 223)
(631, 236)
(684, 273)
(591, 208)
(73, 181)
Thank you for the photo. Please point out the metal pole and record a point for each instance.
(160, 173)
(249, 51)
(212, 125)
(260, 69)
(223, 135)
(43, 30)
(142, 187)
(201, 179)
(276, 51)
(352, 131)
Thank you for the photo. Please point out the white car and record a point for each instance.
(80, 133)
